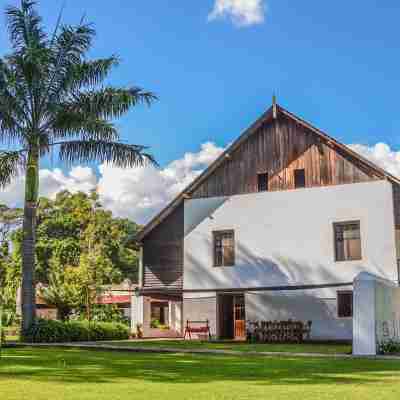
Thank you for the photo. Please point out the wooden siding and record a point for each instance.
(279, 148)
(163, 254)
(396, 204)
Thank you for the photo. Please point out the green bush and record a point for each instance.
(48, 331)
(155, 323)
(2, 337)
(389, 347)
(108, 313)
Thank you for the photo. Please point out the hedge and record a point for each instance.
(49, 331)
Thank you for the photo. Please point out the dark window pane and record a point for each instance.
(159, 312)
(224, 248)
(345, 304)
(299, 178)
(262, 182)
(347, 241)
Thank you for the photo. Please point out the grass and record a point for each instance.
(12, 338)
(42, 374)
(324, 348)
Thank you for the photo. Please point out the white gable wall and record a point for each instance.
(286, 238)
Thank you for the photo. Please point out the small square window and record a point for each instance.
(345, 304)
(159, 312)
(224, 248)
(347, 241)
(299, 178)
(262, 181)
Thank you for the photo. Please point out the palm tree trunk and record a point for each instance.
(29, 236)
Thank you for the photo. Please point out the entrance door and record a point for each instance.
(240, 317)
(226, 321)
(232, 320)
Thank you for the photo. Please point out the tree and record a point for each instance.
(10, 219)
(52, 100)
(80, 248)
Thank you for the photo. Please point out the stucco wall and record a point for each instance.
(304, 305)
(200, 307)
(286, 238)
(387, 303)
(376, 307)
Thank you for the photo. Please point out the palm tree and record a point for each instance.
(52, 99)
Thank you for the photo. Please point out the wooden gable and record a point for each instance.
(279, 147)
(277, 143)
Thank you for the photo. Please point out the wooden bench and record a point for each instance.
(204, 329)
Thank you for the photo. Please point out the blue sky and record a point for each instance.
(336, 64)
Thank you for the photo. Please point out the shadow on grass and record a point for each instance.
(78, 366)
(306, 347)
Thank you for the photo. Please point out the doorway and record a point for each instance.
(232, 316)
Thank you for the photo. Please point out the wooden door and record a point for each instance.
(239, 317)
(226, 318)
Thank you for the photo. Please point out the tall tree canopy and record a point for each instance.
(52, 99)
(10, 220)
(80, 247)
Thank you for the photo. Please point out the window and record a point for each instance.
(299, 178)
(345, 304)
(262, 181)
(347, 241)
(224, 248)
(159, 313)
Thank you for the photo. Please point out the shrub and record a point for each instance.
(155, 323)
(48, 331)
(2, 337)
(108, 313)
(9, 317)
(388, 347)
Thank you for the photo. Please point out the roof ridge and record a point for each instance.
(269, 113)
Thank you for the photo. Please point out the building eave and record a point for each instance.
(271, 114)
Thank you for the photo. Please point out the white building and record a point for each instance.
(276, 228)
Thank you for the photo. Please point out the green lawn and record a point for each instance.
(43, 374)
(241, 346)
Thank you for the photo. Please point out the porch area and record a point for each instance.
(275, 316)
(160, 315)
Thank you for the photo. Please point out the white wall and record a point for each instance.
(136, 312)
(302, 305)
(201, 307)
(286, 238)
(376, 306)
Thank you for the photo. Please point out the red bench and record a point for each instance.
(205, 328)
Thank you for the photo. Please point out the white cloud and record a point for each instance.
(139, 193)
(382, 155)
(240, 12)
(51, 182)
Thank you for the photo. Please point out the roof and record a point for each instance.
(269, 115)
(114, 299)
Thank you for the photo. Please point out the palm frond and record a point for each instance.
(73, 41)
(109, 102)
(12, 85)
(11, 165)
(24, 26)
(118, 154)
(67, 50)
(88, 73)
(13, 105)
(68, 124)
